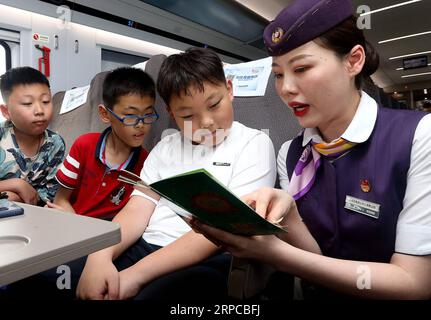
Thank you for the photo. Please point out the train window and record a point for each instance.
(2, 60)
(2, 70)
(5, 57)
(113, 59)
(5, 62)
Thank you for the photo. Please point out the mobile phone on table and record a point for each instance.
(9, 209)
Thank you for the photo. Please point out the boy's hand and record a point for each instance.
(54, 206)
(99, 280)
(12, 196)
(25, 191)
(129, 285)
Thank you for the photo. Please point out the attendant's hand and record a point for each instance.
(272, 204)
(254, 247)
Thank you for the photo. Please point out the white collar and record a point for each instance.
(361, 127)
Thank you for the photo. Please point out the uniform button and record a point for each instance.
(103, 184)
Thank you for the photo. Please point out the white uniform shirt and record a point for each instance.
(414, 222)
(249, 152)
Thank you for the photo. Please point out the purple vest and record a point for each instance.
(384, 161)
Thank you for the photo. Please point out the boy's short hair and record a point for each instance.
(20, 76)
(192, 68)
(125, 81)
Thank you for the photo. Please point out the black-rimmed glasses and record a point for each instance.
(133, 120)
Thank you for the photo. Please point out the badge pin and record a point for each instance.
(221, 164)
(365, 186)
(116, 199)
(277, 35)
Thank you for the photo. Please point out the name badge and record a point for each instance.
(367, 208)
(221, 164)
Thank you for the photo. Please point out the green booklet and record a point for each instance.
(199, 194)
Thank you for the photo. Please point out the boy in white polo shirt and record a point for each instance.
(159, 256)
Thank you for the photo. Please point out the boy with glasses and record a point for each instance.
(89, 175)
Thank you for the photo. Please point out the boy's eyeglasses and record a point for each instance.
(133, 120)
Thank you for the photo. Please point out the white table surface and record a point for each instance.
(43, 238)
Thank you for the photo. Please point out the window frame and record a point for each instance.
(8, 54)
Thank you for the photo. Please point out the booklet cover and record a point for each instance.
(202, 196)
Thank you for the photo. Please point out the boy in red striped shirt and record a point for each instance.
(89, 175)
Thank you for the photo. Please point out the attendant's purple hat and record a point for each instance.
(303, 21)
